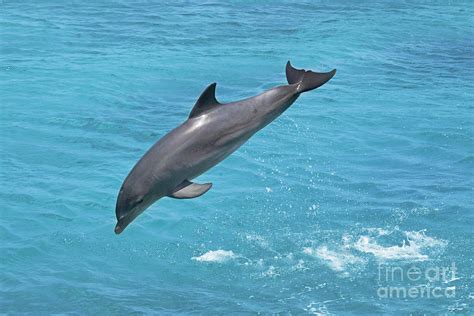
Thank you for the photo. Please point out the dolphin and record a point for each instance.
(211, 133)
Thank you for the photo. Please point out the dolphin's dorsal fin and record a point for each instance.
(189, 190)
(206, 101)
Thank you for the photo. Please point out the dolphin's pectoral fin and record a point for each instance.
(206, 101)
(189, 190)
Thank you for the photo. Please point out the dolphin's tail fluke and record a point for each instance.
(307, 80)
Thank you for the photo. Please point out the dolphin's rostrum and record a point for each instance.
(211, 133)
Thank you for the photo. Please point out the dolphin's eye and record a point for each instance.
(139, 201)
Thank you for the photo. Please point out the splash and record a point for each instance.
(336, 260)
(218, 256)
(416, 247)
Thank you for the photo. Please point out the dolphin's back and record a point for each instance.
(203, 141)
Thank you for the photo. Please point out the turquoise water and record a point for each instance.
(371, 172)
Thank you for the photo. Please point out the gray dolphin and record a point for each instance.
(211, 133)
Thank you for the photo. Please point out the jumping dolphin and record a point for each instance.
(211, 133)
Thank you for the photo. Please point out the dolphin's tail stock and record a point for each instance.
(308, 80)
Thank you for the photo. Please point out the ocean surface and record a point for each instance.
(357, 198)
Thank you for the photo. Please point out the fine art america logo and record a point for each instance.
(414, 282)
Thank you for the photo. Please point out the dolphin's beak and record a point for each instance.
(127, 218)
(124, 221)
(120, 226)
(118, 229)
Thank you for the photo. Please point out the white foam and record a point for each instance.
(338, 261)
(259, 240)
(218, 256)
(271, 272)
(300, 266)
(416, 248)
(317, 309)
